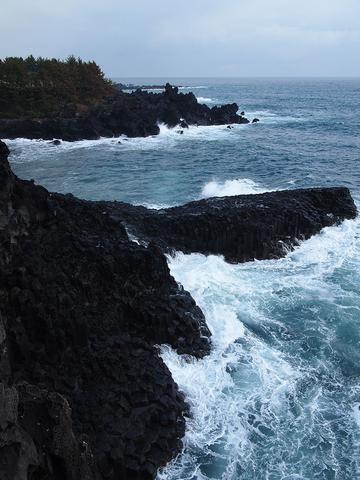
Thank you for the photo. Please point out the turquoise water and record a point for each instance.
(279, 396)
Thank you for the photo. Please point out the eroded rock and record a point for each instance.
(84, 392)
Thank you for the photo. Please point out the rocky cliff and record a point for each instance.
(84, 394)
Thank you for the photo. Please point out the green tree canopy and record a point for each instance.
(43, 87)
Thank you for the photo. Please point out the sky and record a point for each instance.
(190, 38)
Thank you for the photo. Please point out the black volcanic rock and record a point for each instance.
(243, 227)
(135, 114)
(84, 393)
(4, 150)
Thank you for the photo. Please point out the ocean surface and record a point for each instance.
(279, 396)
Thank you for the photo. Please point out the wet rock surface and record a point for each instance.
(243, 227)
(135, 114)
(84, 393)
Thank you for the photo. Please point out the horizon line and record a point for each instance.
(238, 76)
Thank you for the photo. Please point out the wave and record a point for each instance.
(269, 117)
(240, 186)
(24, 150)
(271, 384)
(205, 100)
(195, 87)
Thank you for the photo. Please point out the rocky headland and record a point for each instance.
(135, 114)
(84, 394)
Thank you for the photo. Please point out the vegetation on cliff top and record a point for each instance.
(40, 87)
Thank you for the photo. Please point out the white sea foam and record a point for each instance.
(194, 87)
(251, 399)
(25, 150)
(240, 186)
(269, 117)
(155, 206)
(205, 100)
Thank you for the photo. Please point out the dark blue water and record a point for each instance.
(279, 396)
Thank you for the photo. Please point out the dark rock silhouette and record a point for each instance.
(135, 114)
(255, 120)
(83, 391)
(243, 227)
(84, 394)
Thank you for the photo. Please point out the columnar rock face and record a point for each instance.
(137, 114)
(84, 393)
(243, 227)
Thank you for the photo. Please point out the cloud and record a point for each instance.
(191, 38)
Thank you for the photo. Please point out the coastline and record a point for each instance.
(115, 301)
(136, 114)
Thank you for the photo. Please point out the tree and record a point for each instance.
(50, 87)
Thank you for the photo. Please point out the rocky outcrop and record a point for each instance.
(135, 114)
(241, 228)
(84, 393)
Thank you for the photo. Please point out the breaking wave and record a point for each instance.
(277, 397)
(240, 186)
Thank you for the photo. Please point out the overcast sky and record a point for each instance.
(190, 37)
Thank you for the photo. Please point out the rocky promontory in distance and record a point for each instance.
(84, 394)
(132, 86)
(72, 100)
(135, 114)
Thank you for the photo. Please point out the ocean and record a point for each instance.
(278, 398)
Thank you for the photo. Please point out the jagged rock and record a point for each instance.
(255, 120)
(84, 392)
(243, 227)
(4, 150)
(37, 439)
(135, 114)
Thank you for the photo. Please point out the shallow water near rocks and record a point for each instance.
(279, 396)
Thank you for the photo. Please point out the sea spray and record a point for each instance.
(240, 186)
(269, 401)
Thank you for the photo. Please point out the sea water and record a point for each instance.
(278, 397)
